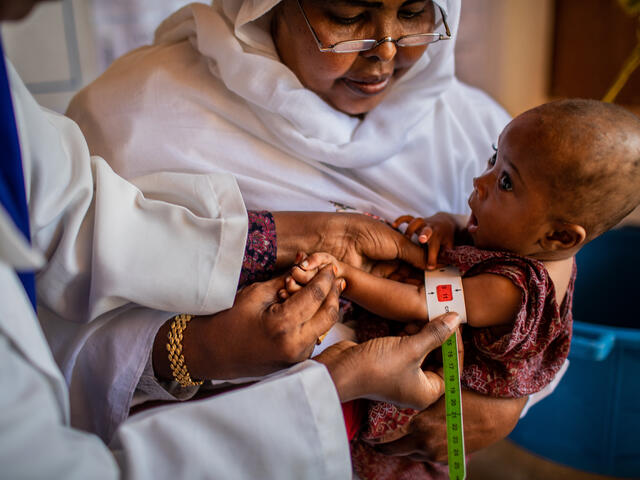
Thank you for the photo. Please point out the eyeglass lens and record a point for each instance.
(414, 33)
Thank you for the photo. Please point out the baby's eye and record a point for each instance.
(492, 159)
(505, 182)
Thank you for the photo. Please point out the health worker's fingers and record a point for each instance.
(283, 294)
(434, 333)
(293, 284)
(305, 303)
(408, 445)
(325, 317)
(302, 277)
(427, 390)
(316, 261)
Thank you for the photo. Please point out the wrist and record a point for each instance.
(297, 231)
(346, 376)
(191, 351)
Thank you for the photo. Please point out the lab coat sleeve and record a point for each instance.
(295, 430)
(35, 438)
(168, 242)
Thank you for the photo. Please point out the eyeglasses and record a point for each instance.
(413, 40)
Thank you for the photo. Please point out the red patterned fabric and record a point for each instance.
(524, 360)
(260, 252)
(513, 364)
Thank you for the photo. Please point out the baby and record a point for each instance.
(562, 174)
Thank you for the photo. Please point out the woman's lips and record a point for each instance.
(367, 87)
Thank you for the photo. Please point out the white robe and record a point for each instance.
(212, 95)
(96, 244)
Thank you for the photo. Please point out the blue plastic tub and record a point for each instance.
(592, 421)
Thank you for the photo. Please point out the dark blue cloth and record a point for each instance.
(12, 194)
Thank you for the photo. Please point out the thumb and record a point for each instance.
(410, 252)
(436, 332)
(266, 289)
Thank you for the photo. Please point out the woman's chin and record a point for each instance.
(354, 108)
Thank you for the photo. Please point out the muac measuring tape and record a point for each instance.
(443, 290)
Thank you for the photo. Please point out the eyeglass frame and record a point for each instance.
(377, 43)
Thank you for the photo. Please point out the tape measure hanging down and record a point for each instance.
(443, 291)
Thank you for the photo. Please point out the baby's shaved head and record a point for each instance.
(589, 151)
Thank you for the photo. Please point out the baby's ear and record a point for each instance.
(564, 236)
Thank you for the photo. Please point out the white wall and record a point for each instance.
(62, 46)
(53, 50)
(505, 48)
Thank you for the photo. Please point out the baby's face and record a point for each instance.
(509, 203)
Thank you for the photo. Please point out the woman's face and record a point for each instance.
(353, 83)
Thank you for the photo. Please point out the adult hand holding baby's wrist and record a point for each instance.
(389, 368)
(352, 238)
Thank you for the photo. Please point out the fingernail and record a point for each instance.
(343, 285)
(304, 265)
(287, 279)
(451, 320)
(422, 238)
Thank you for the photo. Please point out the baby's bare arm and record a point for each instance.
(388, 298)
(490, 299)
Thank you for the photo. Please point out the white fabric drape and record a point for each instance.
(211, 95)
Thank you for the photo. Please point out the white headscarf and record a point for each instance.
(212, 94)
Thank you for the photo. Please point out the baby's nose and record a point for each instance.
(478, 186)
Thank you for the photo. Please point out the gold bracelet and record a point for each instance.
(174, 347)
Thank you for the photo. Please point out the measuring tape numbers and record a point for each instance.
(443, 291)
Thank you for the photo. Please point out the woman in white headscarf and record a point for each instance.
(248, 87)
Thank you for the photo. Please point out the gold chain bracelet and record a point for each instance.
(174, 347)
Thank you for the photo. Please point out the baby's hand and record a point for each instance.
(305, 269)
(436, 231)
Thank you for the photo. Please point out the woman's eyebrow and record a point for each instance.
(369, 4)
(409, 2)
(357, 3)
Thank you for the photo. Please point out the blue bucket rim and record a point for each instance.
(623, 336)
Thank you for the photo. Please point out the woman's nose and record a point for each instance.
(384, 52)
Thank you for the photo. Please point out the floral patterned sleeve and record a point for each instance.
(260, 253)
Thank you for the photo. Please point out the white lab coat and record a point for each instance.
(96, 243)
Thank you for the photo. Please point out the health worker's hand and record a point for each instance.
(260, 334)
(353, 238)
(389, 368)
